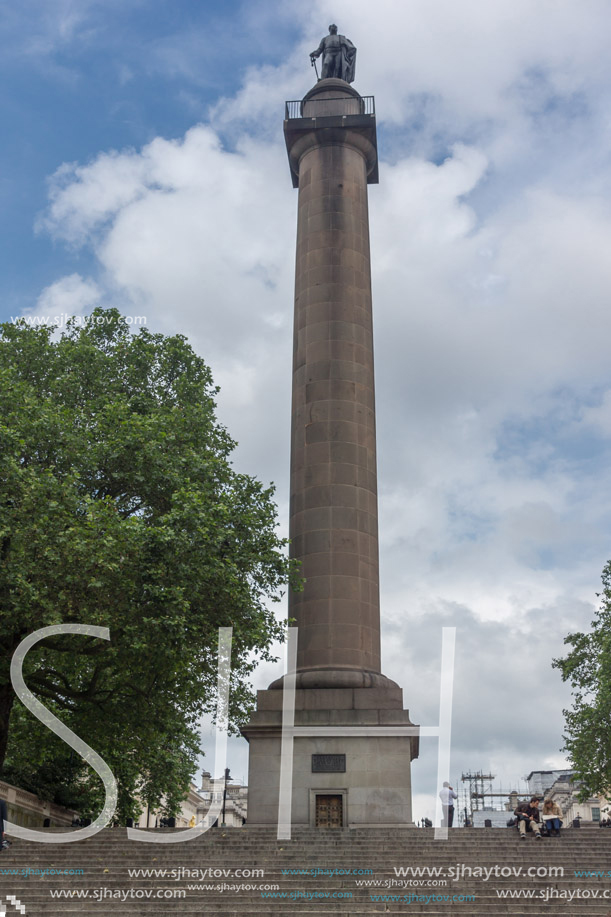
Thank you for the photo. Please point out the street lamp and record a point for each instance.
(227, 777)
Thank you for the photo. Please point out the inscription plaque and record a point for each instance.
(328, 764)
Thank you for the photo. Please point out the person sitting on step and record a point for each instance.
(552, 816)
(528, 818)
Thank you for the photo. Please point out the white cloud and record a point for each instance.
(599, 416)
(72, 295)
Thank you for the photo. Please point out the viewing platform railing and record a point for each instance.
(320, 108)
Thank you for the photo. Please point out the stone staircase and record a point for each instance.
(107, 889)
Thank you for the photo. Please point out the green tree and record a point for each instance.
(588, 723)
(119, 507)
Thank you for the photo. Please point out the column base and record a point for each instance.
(370, 773)
(338, 678)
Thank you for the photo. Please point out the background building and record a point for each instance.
(565, 790)
(539, 782)
(198, 802)
(26, 809)
(236, 801)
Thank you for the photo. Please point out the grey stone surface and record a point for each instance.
(333, 516)
(386, 698)
(377, 766)
(376, 783)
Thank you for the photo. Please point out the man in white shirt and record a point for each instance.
(447, 796)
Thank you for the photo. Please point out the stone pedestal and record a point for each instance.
(376, 784)
(332, 149)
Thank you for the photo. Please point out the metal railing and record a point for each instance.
(312, 108)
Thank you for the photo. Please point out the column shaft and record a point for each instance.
(333, 516)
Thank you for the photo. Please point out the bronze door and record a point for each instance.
(328, 811)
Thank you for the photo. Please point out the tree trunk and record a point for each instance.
(7, 697)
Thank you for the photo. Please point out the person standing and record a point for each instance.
(3, 820)
(447, 796)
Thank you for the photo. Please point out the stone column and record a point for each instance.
(334, 513)
(348, 707)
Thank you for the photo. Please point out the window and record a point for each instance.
(595, 813)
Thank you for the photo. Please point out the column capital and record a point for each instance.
(332, 113)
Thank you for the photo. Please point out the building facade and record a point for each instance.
(236, 801)
(195, 806)
(565, 791)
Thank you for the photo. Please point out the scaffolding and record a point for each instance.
(479, 790)
(480, 786)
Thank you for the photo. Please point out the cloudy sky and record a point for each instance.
(143, 166)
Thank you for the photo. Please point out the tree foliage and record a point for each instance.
(588, 723)
(119, 507)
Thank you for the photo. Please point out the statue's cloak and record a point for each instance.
(348, 64)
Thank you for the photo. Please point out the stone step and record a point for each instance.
(587, 908)
(515, 909)
(42, 889)
(313, 857)
(468, 884)
(583, 841)
(272, 865)
(481, 839)
(107, 856)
